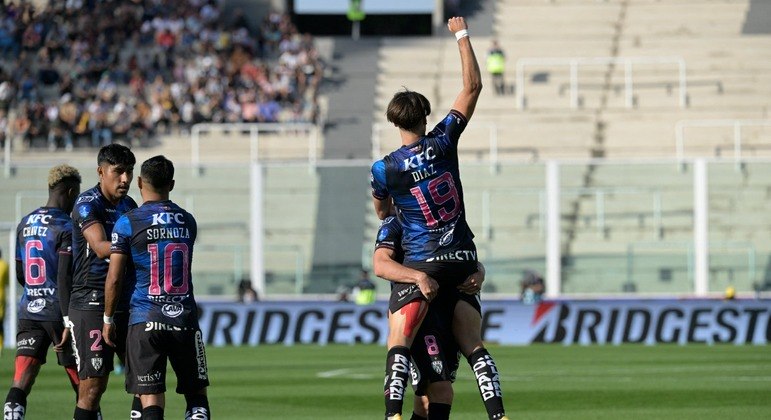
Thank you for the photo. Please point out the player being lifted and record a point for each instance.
(158, 239)
(423, 180)
(44, 268)
(95, 213)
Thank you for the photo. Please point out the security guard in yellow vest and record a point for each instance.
(364, 291)
(496, 65)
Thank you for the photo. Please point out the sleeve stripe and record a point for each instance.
(459, 115)
(87, 224)
(374, 194)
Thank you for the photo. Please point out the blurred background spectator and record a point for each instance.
(127, 70)
(531, 287)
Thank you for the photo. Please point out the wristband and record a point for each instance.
(107, 319)
(66, 321)
(463, 33)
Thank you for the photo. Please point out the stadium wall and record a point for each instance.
(510, 322)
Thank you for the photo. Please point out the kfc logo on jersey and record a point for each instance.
(42, 218)
(166, 218)
(172, 310)
(417, 160)
(36, 305)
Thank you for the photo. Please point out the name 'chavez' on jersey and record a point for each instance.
(90, 270)
(41, 236)
(424, 180)
(159, 237)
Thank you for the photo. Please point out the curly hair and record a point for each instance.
(62, 173)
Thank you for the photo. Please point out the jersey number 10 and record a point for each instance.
(167, 253)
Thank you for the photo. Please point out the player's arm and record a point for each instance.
(383, 208)
(385, 267)
(381, 199)
(473, 283)
(112, 287)
(64, 283)
(466, 101)
(97, 240)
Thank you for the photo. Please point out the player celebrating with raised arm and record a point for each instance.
(423, 180)
(158, 238)
(43, 266)
(95, 213)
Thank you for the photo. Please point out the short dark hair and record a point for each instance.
(158, 172)
(116, 154)
(408, 109)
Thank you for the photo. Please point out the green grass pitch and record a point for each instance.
(539, 382)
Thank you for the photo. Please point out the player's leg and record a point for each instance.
(94, 360)
(440, 397)
(407, 309)
(65, 354)
(467, 328)
(153, 406)
(189, 364)
(146, 370)
(32, 345)
(420, 408)
(121, 323)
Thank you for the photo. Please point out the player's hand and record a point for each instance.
(428, 286)
(108, 334)
(473, 283)
(59, 347)
(455, 24)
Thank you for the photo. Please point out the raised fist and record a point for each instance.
(455, 24)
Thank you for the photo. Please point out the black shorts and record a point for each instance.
(435, 353)
(94, 356)
(34, 337)
(154, 343)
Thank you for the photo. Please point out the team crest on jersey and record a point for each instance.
(383, 234)
(84, 211)
(114, 238)
(172, 310)
(96, 362)
(446, 238)
(437, 366)
(36, 305)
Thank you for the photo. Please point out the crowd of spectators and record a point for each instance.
(103, 70)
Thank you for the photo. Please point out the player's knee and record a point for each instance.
(440, 392)
(90, 392)
(26, 370)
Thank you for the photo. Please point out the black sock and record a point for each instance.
(438, 411)
(488, 382)
(417, 417)
(83, 414)
(15, 404)
(198, 406)
(153, 412)
(136, 408)
(396, 376)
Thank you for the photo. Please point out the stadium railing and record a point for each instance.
(736, 124)
(575, 62)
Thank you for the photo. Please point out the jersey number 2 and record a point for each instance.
(168, 266)
(449, 201)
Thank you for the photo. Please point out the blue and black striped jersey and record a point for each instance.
(41, 237)
(159, 238)
(424, 180)
(90, 271)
